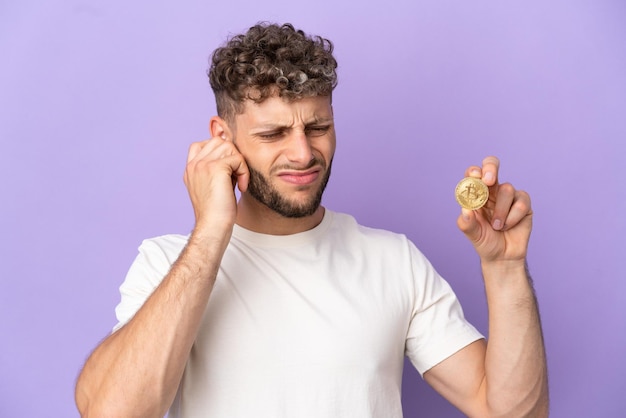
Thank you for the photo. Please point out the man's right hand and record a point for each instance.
(214, 166)
(137, 370)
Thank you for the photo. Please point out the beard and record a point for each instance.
(261, 189)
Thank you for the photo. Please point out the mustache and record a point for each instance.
(315, 161)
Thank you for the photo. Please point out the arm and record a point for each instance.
(508, 375)
(136, 371)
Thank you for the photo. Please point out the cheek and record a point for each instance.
(261, 159)
(327, 148)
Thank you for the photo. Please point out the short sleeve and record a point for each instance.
(438, 328)
(155, 258)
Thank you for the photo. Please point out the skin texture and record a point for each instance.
(288, 147)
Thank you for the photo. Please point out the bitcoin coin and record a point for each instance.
(471, 193)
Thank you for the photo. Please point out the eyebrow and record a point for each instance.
(280, 126)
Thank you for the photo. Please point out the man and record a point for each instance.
(277, 307)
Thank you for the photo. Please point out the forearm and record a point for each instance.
(515, 363)
(137, 370)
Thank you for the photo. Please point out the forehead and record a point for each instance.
(277, 111)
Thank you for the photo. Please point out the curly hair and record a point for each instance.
(271, 60)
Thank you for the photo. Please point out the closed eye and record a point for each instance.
(271, 136)
(317, 130)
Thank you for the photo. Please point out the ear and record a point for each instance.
(219, 128)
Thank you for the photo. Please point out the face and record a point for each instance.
(288, 147)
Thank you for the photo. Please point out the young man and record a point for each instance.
(277, 307)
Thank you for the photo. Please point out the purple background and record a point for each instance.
(100, 99)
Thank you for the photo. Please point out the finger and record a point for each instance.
(239, 169)
(469, 225)
(214, 149)
(243, 176)
(201, 153)
(195, 148)
(504, 199)
(474, 171)
(490, 168)
(520, 208)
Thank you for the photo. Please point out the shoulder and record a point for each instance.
(346, 229)
(155, 258)
(345, 224)
(167, 247)
(350, 233)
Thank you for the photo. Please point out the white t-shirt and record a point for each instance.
(314, 324)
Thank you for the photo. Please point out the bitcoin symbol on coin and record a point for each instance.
(471, 193)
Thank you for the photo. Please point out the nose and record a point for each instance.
(299, 149)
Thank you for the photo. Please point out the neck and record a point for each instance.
(256, 217)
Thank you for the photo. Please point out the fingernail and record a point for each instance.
(465, 214)
(497, 224)
(488, 176)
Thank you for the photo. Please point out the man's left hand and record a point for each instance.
(500, 230)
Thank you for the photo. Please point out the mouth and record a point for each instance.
(300, 178)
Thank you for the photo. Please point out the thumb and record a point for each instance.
(469, 225)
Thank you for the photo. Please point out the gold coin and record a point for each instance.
(471, 193)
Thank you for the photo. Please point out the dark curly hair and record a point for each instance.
(271, 60)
